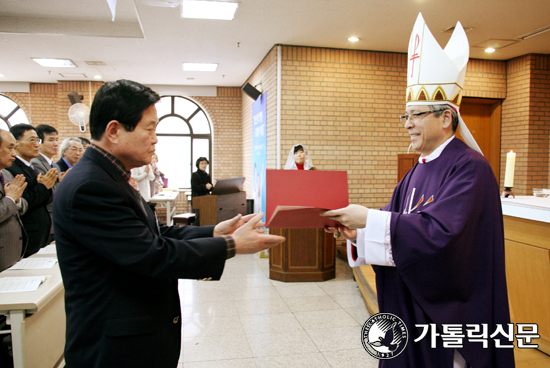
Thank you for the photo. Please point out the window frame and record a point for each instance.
(191, 134)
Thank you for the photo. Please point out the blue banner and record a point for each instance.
(259, 152)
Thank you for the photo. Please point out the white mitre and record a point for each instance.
(436, 76)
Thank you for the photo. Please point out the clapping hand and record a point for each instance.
(15, 189)
(48, 180)
(62, 175)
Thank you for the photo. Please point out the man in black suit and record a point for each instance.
(119, 265)
(70, 151)
(38, 192)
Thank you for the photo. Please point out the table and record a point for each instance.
(526, 234)
(166, 199)
(36, 319)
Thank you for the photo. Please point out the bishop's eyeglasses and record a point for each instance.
(414, 117)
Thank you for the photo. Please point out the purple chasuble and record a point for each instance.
(448, 246)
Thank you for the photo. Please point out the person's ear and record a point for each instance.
(447, 119)
(112, 131)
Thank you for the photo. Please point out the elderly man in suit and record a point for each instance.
(38, 192)
(71, 150)
(12, 233)
(119, 265)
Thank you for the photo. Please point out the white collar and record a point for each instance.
(24, 161)
(49, 160)
(436, 153)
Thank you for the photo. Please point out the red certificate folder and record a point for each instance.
(295, 198)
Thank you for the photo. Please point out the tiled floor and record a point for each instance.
(246, 320)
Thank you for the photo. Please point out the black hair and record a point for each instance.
(299, 147)
(123, 101)
(201, 159)
(19, 130)
(45, 129)
(84, 140)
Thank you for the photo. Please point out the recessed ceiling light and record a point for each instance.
(223, 10)
(97, 77)
(199, 67)
(353, 39)
(2, 75)
(489, 50)
(55, 63)
(95, 63)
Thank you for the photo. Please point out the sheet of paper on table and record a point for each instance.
(21, 284)
(48, 249)
(34, 264)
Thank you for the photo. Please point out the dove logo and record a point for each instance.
(384, 336)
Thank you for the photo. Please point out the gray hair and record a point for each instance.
(438, 110)
(65, 144)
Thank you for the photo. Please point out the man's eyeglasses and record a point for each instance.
(413, 117)
(79, 150)
(32, 140)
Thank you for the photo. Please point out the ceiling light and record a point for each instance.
(199, 67)
(97, 76)
(353, 39)
(489, 50)
(535, 33)
(208, 9)
(55, 63)
(2, 75)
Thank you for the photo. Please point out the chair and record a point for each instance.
(184, 218)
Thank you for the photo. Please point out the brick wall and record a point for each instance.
(525, 121)
(485, 79)
(539, 118)
(224, 111)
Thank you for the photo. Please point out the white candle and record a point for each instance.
(510, 166)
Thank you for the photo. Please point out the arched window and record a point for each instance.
(11, 114)
(184, 134)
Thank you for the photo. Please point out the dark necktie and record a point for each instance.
(52, 165)
(2, 181)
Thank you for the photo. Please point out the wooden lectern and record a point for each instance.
(225, 202)
(305, 255)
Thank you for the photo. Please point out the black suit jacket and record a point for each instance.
(120, 270)
(62, 165)
(36, 220)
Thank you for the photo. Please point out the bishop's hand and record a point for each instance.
(353, 216)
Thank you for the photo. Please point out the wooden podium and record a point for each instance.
(306, 255)
(216, 208)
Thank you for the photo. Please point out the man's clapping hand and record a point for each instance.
(49, 179)
(15, 189)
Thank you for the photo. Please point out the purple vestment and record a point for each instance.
(447, 242)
